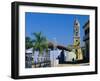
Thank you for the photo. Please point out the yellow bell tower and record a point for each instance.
(78, 51)
(76, 33)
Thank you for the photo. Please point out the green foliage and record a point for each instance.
(40, 42)
(28, 43)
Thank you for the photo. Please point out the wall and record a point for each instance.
(5, 40)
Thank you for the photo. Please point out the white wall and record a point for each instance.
(5, 40)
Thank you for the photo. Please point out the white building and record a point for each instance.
(28, 58)
(70, 56)
(52, 56)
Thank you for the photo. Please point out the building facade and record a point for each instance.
(86, 40)
(28, 58)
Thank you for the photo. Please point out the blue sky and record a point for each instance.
(59, 26)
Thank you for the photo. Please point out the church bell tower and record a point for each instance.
(76, 33)
(78, 50)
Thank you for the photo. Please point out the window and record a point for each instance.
(76, 33)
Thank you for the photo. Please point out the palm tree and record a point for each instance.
(28, 42)
(40, 43)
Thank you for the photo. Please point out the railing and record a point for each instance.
(42, 64)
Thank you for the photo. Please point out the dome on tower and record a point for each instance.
(76, 22)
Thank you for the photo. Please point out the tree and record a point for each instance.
(28, 42)
(40, 42)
